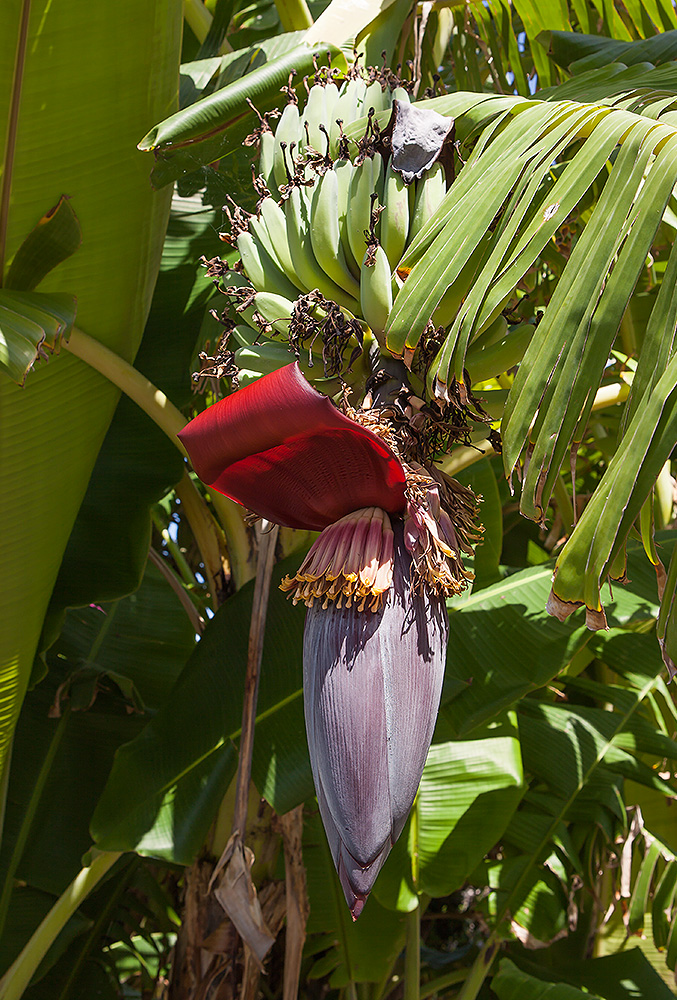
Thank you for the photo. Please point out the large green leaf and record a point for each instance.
(107, 549)
(627, 482)
(626, 975)
(504, 645)
(125, 656)
(482, 251)
(83, 101)
(578, 757)
(482, 480)
(147, 801)
(513, 984)
(468, 792)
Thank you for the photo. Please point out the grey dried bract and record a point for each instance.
(372, 684)
(417, 139)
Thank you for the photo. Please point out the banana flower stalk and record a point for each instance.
(374, 583)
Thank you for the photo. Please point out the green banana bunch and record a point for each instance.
(337, 222)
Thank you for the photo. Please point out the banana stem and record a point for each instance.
(18, 976)
(198, 18)
(294, 14)
(412, 956)
(118, 371)
(480, 968)
(196, 619)
(240, 550)
(29, 815)
(207, 534)
(437, 985)
(174, 550)
(160, 409)
(264, 570)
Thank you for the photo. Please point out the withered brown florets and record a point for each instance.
(315, 317)
(214, 367)
(440, 519)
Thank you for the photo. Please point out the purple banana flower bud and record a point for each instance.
(372, 685)
(376, 629)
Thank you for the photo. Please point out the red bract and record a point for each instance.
(283, 450)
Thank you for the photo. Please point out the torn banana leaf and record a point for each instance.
(666, 627)
(606, 521)
(30, 324)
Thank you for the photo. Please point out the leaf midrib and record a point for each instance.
(12, 126)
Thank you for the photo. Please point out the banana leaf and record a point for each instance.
(76, 73)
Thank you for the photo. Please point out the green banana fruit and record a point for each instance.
(261, 359)
(326, 233)
(367, 179)
(400, 94)
(275, 221)
(256, 360)
(303, 259)
(350, 99)
(288, 131)
(267, 161)
(263, 272)
(233, 279)
(344, 172)
(430, 192)
(314, 114)
(496, 331)
(376, 291)
(331, 96)
(395, 216)
(275, 309)
(246, 336)
(500, 356)
(375, 97)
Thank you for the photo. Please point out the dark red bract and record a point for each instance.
(283, 450)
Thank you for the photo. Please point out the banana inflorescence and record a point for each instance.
(334, 218)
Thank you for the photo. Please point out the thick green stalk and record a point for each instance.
(21, 971)
(207, 534)
(442, 982)
(29, 815)
(240, 548)
(198, 18)
(175, 552)
(294, 14)
(412, 956)
(118, 371)
(160, 409)
(480, 968)
(99, 927)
